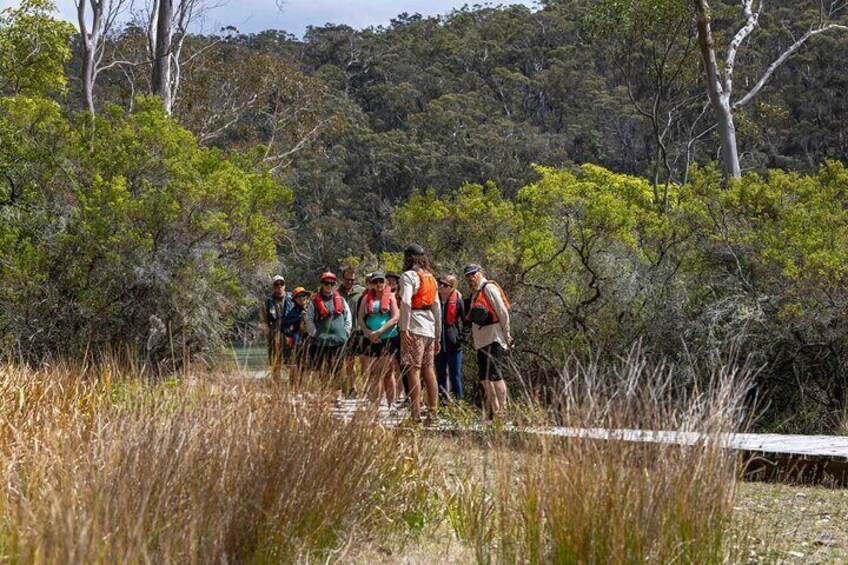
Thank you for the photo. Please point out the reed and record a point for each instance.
(609, 501)
(102, 465)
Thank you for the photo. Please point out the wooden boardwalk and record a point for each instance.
(809, 459)
(790, 458)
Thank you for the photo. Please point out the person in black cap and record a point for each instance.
(489, 315)
(420, 328)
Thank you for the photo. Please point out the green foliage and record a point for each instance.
(125, 230)
(33, 49)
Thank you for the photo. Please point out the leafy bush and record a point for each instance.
(122, 230)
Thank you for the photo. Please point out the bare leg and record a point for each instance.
(500, 394)
(350, 372)
(389, 380)
(414, 376)
(374, 372)
(490, 399)
(432, 391)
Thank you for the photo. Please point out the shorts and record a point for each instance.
(276, 349)
(490, 362)
(356, 344)
(395, 341)
(325, 355)
(291, 351)
(383, 347)
(421, 352)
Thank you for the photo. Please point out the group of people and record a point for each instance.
(402, 328)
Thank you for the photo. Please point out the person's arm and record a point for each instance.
(406, 292)
(311, 329)
(461, 324)
(496, 300)
(394, 316)
(436, 309)
(348, 318)
(361, 316)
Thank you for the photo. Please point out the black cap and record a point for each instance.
(471, 269)
(392, 275)
(378, 276)
(413, 249)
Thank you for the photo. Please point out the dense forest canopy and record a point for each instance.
(576, 149)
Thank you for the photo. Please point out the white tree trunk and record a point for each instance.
(718, 93)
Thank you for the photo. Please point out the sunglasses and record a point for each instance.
(280, 283)
(328, 283)
(350, 279)
(444, 285)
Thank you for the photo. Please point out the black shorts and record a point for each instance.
(490, 362)
(356, 344)
(326, 355)
(383, 347)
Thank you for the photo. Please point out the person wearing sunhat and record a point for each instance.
(420, 328)
(328, 324)
(295, 332)
(490, 331)
(277, 304)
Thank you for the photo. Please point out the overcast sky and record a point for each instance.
(256, 15)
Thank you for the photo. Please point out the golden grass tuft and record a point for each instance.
(609, 501)
(101, 466)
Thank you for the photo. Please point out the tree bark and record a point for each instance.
(162, 54)
(719, 95)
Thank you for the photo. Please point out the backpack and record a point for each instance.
(482, 312)
(427, 291)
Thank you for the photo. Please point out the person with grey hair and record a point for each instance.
(490, 331)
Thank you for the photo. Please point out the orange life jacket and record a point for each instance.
(481, 299)
(427, 290)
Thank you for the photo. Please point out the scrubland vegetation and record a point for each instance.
(106, 463)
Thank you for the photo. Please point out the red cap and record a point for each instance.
(328, 275)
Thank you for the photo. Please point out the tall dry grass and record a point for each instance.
(609, 501)
(103, 466)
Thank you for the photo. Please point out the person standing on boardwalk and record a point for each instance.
(420, 328)
(489, 315)
(378, 317)
(277, 305)
(351, 293)
(328, 322)
(449, 358)
(294, 330)
(393, 282)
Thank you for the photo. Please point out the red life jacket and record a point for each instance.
(385, 299)
(321, 309)
(450, 316)
(427, 290)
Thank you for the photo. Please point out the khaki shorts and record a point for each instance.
(420, 353)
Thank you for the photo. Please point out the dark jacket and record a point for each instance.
(453, 336)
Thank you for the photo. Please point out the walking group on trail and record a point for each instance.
(405, 330)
